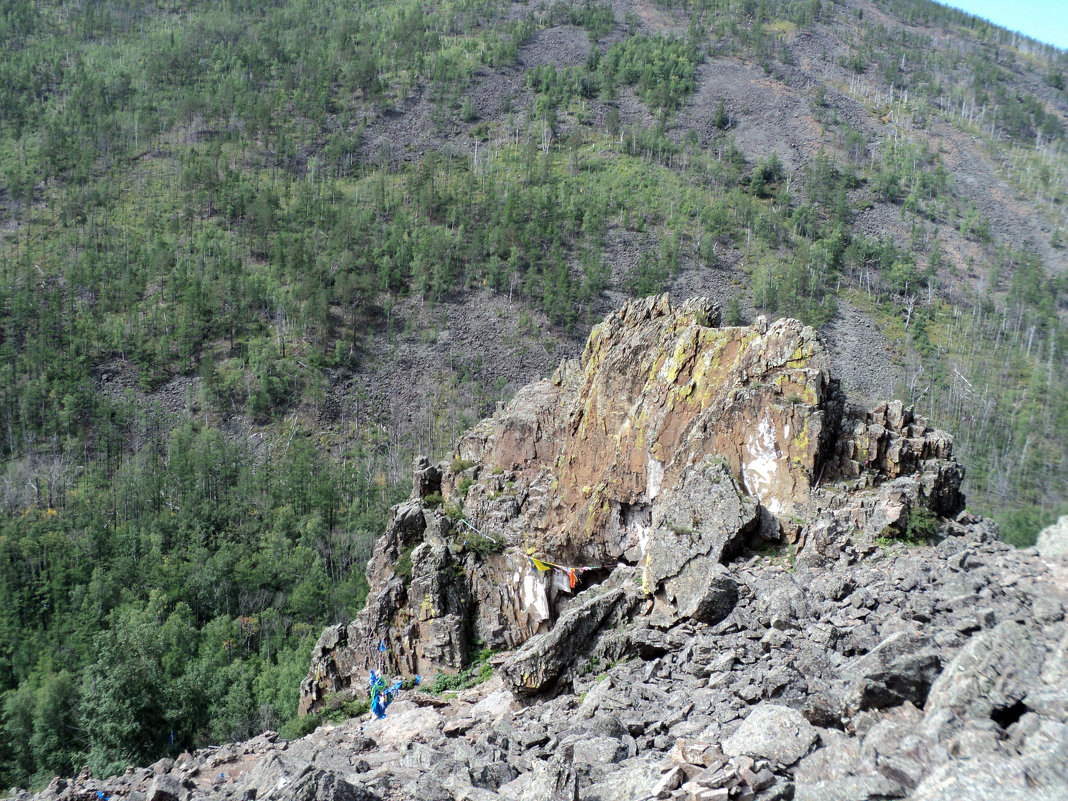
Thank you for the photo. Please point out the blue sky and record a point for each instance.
(1045, 20)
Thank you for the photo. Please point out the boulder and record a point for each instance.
(1053, 540)
(773, 732)
(994, 777)
(321, 785)
(544, 658)
(901, 668)
(718, 598)
(704, 521)
(992, 674)
(165, 788)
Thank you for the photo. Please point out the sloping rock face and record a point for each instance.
(668, 447)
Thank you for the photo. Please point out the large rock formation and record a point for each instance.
(787, 603)
(669, 446)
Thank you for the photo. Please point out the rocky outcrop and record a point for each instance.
(669, 447)
(781, 599)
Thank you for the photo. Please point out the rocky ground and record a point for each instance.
(929, 672)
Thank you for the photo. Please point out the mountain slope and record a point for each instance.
(255, 257)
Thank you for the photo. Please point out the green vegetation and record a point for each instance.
(336, 708)
(784, 553)
(179, 593)
(483, 545)
(403, 566)
(922, 525)
(478, 671)
(660, 68)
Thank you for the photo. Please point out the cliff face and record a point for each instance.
(669, 447)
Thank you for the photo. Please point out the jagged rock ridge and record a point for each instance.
(667, 447)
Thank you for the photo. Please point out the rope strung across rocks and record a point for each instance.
(480, 533)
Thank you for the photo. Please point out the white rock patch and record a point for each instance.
(535, 599)
(758, 473)
(654, 477)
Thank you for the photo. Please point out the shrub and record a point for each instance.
(483, 546)
(458, 465)
(733, 314)
(403, 566)
(722, 119)
(478, 671)
(297, 727)
(922, 525)
(339, 707)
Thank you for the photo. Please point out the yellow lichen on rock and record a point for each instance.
(658, 448)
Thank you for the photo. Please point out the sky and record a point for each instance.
(1045, 20)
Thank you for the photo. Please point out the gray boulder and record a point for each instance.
(544, 658)
(993, 672)
(706, 519)
(719, 598)
(1053, 540)
(781, 602)
(635, 778)
(900, 668)
(773, 732)
(165, 788)
(322, 785)
(994, 777)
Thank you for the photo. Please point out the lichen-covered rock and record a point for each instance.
(667, 448)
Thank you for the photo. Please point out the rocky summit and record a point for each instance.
(698, 572)
(671, 446)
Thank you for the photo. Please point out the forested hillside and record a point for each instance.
(255, 256)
